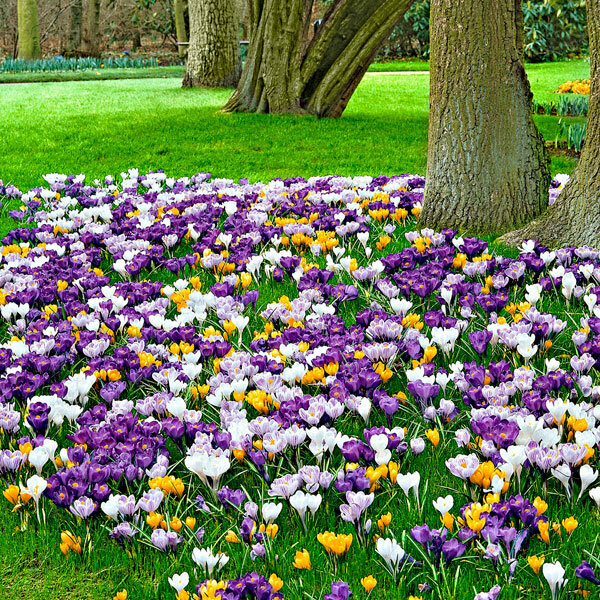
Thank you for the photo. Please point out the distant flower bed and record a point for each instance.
(59, 63)
(578, 86)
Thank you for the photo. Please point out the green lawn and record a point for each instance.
(167, 71)
(100, 127)
(400, 65)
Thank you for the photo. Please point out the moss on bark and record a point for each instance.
(29, 30)
(290, 68)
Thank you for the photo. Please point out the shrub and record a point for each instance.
(553, 29)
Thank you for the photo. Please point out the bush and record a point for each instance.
(553, 29)
(410, 37)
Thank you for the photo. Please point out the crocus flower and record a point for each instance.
(554, 575)
(585, 571)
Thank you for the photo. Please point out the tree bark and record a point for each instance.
(214, 52)
(180, 30)
(29, 29)
(574, 219)
(290, 69)
(75, 18)
(92, 30)
(487, 165)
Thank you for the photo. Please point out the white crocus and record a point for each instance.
(568, 285)
(379, 443)
(515, 456)
(208, 561)
(271, 510)
(391, 552)
(443, 504)
(588, 475)
(303, 502)
(563, 473)
(409, 481)
(110, 507)
(179, 582)
(595, 495)
(38, 457)
(555, 576)
(36, 486)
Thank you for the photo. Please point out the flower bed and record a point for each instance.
(61, 64)
(289, 387)
(578, 86)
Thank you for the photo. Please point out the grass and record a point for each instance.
(167, 71)
(107, 127)
(102, 127)
(413, 64)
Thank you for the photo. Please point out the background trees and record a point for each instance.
(297, 66)
(553, 28)
(91, 40)
(75, 28)
(29, 32)
(122, 24)
(179, 8)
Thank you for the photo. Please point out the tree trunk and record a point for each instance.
(136, 42)
(214, 51)
(29, 30)
(290, 69)
(180, 30)
(75, 17)
(487, 165)
(92, 30)
(574, 219)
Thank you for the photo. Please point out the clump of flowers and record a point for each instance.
(577, 86)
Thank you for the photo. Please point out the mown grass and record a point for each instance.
(166, 71)
(109, 126)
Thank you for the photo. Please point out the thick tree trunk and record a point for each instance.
(92, 30)
(487, 165)
(214, 52)
(180, 30)
(574, 219)
(29, 30)
(75, 17)
(291, 70)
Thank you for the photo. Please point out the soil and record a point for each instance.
(560, 149)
